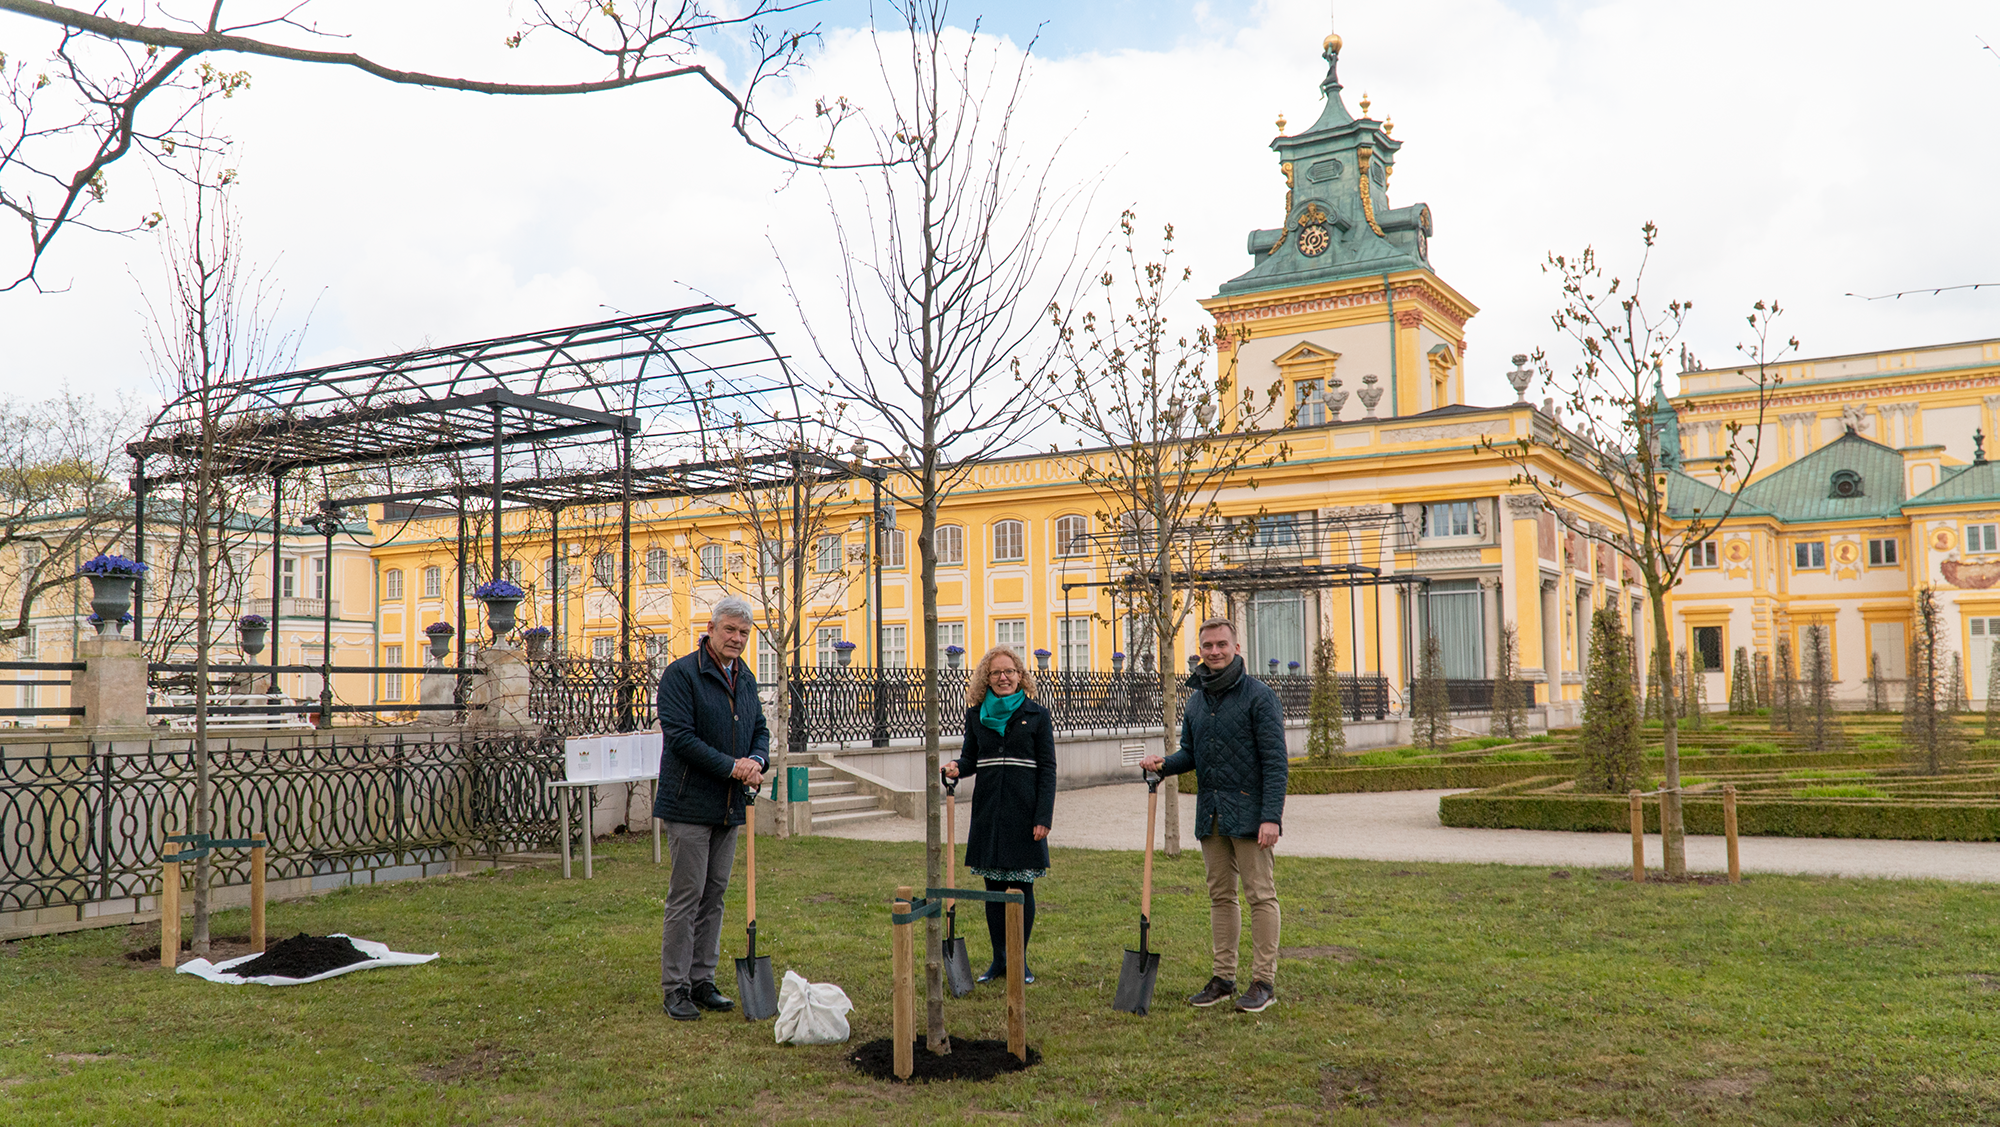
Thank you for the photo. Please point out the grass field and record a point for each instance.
(1410, 994)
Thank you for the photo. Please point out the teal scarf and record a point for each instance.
(996, 710)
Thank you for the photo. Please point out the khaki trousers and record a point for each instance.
(1230, 860)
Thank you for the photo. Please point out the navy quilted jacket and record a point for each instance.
(1235, 745)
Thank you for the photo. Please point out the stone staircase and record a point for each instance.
(837, 802)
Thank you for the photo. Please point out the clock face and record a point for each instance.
(1313, 240)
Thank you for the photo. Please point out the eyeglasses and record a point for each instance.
(1003, 673)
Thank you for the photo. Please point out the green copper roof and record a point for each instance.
(1337, 225)
(1803, 491)
(1688, 499)
(1979, 481)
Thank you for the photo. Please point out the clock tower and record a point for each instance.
(1343, 290)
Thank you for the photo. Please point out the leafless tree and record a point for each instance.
(129, 78)
(61, 500)
(212, 328)
(1616, 455)
(1128, 380)
(948, 264)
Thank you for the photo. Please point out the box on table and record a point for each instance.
(583, 758)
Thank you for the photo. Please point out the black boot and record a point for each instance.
(995, 973)
(680, 1007)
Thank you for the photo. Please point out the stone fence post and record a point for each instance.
(111, 687)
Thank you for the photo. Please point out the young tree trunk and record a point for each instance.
(1170, 699)
(1673, 835)
(938, 1039)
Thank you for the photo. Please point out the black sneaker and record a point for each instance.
(679, 1006)
(705, 995)
(1217, 990)
(1257, 999)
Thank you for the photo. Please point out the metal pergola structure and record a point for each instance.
(563, 416)
(1265, 553)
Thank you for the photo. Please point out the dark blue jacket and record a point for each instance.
(705, 731)
(1235, 744)
(1016, 791)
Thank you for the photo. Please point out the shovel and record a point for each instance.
(1141, 971)
(957, 964)
(754, 983)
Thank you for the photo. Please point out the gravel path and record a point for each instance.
(1404, 826)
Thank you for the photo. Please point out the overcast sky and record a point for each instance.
(1793, 151)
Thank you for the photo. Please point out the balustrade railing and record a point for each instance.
(83, 822)
(574, 696)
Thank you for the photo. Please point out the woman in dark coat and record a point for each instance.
(1011, 744)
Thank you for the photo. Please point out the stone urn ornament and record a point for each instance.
(843, 652)
(501, 598)
(112, 579)
(1042, 660)
(1335, 400)
(954, 656)
(251, 630)
(537, 638)
(1370, 395)
(1118, 662)
(1521, 377)
(440, 635)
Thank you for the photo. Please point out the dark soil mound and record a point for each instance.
(301, 956)
(968, 1060)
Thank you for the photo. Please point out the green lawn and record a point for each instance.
(1415, 994)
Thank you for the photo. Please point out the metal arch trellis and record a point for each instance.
(660, 385)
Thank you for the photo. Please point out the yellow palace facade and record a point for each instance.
(1387, 470)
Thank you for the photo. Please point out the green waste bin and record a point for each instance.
(797, 789)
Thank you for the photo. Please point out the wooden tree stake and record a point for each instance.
(1638, 838)
(1729, 831)
(170, 908)
(904, 990)
(257, 893)
(1017, 987)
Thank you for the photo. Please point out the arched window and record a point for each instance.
(1846, 483)
(433, 583)
(657, 567)
(392, 585)
(714, 559)
(604, 569)
(1010, 541)
(1072, 534)
(950, 544)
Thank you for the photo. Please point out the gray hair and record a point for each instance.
(731, 606)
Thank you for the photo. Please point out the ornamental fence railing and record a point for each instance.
(575, 696)
(82, 822)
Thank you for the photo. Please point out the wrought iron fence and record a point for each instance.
(574, 696)
(1476, 694)
(83, 822)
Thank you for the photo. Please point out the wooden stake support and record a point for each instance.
(1017, 986)
(1729, 831)
(1638, 838)
(170, 911)
(257, 846)
(904, 989)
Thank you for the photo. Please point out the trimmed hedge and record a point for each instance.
(1905, 820)
(1475, 774)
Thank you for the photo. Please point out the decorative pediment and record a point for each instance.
(1308, 361)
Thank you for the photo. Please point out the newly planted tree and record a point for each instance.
(1993, 693)
(1742, 690)
(1785, 691)
(1930, 731)
(1609, 742)
(1509, 715)
(1822, 728)
(1326, 733)
(1430, 704)
(1612, 475)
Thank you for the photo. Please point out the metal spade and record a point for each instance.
(754, 983)
(1141, 971)
(957, 963)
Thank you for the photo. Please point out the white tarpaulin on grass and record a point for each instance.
(378, 954)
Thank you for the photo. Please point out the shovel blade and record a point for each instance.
(756, 989)
(957, 968)
(1136, 980)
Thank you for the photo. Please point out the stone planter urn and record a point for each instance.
(843, 652)
(440, 635)
(1370, 395)
(1117, 663)
(112, 579)
(502, 598)
(1274, 667)
(251, 630)
(1042, 660)
(954, 656)
(538, 642)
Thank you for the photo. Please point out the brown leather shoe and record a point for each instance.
(1217, 990)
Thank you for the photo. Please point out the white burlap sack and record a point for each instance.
(811, 1013)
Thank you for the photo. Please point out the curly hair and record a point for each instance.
(975, 687)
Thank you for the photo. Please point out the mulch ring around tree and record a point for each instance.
(301, 956)
(1656, 877)
(220, 947)
(968, 1060)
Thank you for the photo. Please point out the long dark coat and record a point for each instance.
(1016, 791)
(706, 729)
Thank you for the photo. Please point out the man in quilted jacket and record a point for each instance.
(1233, 739)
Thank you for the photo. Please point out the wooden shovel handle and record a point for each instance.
(950, 847)
(750, 857)
(1146, 887)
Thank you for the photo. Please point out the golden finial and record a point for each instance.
(1281, 125)
(1331, 43)
(1389, 127)
(1364, 103)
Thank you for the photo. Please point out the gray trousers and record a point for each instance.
(691, 933)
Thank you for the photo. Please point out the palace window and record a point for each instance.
(895, 646)
(950, 544)
(1009, 541)
(288, 578)
(392, 684)
(659, 569)
(1451, 519)
(604, 569)
(1982, 537)
(951, 634)
(1882, 553)
(714, 561)
(1704, 555)
(1275, 532)
(827, 555)
(1072, 534)
(767, 664)
(823, 651)
(1809, 555)
(771, 558)
(1012, 632)
(1311, 406)
(433, 583)
(601, 648)
(392, 585)
(1708, 648)
(894, 553)
(1073, 643)
(1846, 483)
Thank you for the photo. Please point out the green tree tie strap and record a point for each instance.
(918, 910)
(975, 894)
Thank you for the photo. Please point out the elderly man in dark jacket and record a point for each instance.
(1233, 738)
(715, 745)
